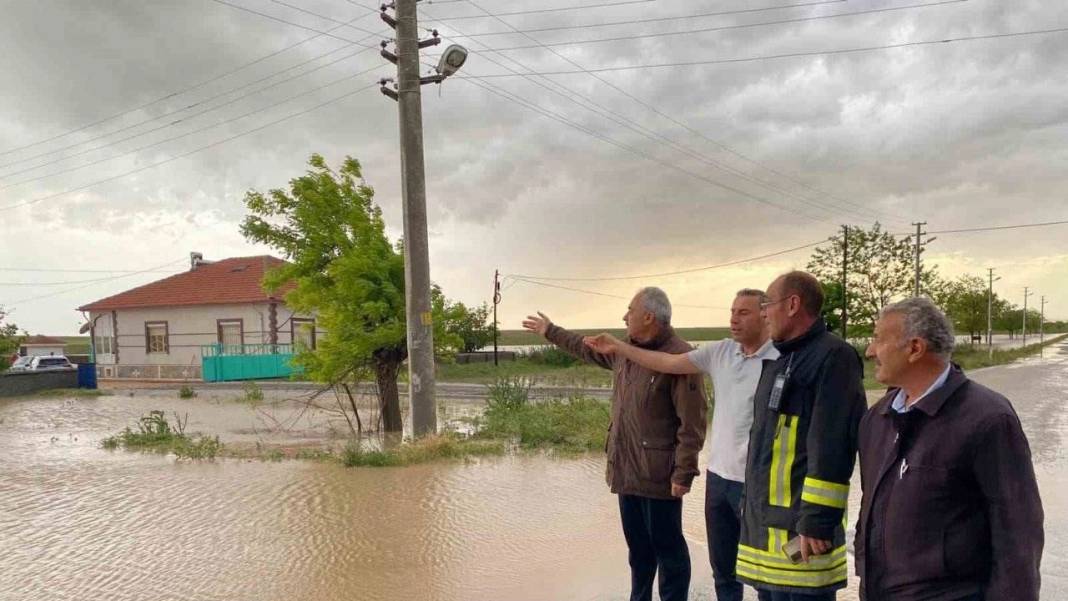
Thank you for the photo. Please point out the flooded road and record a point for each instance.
(79, 522)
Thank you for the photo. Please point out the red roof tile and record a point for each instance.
(228, 281)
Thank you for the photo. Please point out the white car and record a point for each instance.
(50, 363)
(20, 364)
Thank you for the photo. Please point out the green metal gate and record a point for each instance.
(226, 362)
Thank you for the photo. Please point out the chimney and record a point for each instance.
(195, 260)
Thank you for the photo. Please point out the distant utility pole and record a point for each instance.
(1042, 323)
(1024, 332)
(496, 301)
(406, 91)
(990, 310)
(920, 243)
(845, 282)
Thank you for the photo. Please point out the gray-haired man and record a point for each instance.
(951, 510)
(657, 429)
(735, 365)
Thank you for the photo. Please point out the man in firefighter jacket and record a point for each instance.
(802, 446)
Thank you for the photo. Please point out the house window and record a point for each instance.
(231, 332)
(156, 337)
(303, 334)
(103, 345)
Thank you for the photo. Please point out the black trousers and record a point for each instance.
(653, 529)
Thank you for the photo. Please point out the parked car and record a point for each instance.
(51, 363)
(20, 364)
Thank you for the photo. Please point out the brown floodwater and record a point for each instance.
(79, 522)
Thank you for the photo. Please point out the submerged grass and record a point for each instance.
(155, 434)
(423, 450)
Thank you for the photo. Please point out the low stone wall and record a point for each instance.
(28, 382)
(149, 372)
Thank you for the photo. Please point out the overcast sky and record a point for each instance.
(625, 172)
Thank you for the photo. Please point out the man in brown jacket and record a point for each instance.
(657, 430)
(950, 510)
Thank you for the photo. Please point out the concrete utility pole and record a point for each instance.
(919, 249)
(990, 311)
(845, 282)
(1042, 323)
(1024, 331)
(406, 91)
(496, 301)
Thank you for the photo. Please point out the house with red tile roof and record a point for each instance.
(162, 330)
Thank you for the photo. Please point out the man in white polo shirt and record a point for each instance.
(734, 365)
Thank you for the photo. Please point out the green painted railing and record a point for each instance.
(227, 362)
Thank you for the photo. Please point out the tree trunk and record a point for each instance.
(387, 365)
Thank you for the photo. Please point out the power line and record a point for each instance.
(50, 295)
(281, 20)
(191, 152)
(649, 276)
(173, 94)
(789, 55)
(165, 125)
(1000, 227)
(191, 132)
(549, 10)
(657, 19)
(569, 288)
(45, 270)
(857, 207)
(640, 36)
(677, 146)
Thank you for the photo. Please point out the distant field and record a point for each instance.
(523, 337)
(76, 345)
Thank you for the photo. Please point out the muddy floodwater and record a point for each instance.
(81, 523)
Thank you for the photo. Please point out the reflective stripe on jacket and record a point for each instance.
(800, 460)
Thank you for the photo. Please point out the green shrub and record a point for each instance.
(186, 392)
(154, 433)
(253, 392)
(509, 392)
(576, 424)
(551, 355)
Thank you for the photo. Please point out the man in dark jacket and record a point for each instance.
(950, 510)
(802, 449)
(657, 430)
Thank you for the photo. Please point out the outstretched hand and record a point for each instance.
(606, 344)
(539, 325)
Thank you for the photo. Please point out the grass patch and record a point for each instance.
(430, 448)
(253, 393)
(156, 435)
(573, 425)
(186, 392)
(579, 375)
(71, 392)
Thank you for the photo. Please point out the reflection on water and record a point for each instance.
(78, 522)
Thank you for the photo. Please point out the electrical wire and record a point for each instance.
(635, 127)
(569, 288)
(50, 295)
(191, 152)
(174, 94)
(656, 19)
(649, 276)
(838, 51)
(642, 36)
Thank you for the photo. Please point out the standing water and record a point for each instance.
(79, 522)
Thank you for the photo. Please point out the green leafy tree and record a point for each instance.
(9, 340)
(344, 270)
(880, 270)
(966, 304)
(470, 325)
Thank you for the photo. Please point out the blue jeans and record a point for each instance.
(653, 529)
(723, 529)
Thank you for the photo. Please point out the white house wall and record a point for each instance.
(188, 329)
